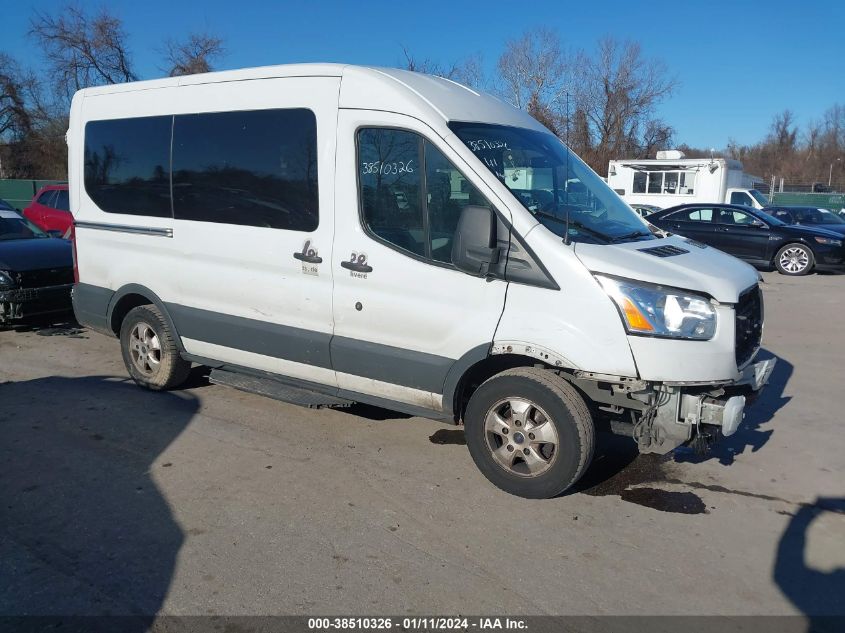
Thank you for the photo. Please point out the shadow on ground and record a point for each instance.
(749, 435)
(63, 324)
(820, 595)
(85, 530)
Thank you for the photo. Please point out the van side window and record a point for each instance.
(447, 193)
(390, 170)
(411, 194)
(253, 168)
(127, 165)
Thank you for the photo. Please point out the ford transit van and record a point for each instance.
(330, 234)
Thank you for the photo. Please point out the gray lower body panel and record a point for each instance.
(91, 306)
(394, 365)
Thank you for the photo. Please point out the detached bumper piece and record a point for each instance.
(22, 303)
(698, 416)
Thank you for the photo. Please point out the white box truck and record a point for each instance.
(673, 179)
(327, 234)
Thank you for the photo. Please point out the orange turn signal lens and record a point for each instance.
(636, 319)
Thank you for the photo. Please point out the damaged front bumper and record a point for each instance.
(22, 303)
(698, 414)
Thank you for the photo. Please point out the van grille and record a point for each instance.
(664, 251)
(45, 277)
(749, 324)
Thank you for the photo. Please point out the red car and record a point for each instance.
(50, 209)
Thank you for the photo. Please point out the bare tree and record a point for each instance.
(619, 94)
(82, 50)
(535, 75)
(468, 71)
(783, 133)
(193, 55)
(15, 119)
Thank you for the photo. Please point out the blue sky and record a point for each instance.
(738, 62)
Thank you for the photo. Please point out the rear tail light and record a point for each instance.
(73, 250)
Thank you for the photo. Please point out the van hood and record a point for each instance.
(699, 268)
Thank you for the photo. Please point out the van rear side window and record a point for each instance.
(255, 168)
(127, 165)
(251, 168)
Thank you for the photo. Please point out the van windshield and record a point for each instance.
(556, 186)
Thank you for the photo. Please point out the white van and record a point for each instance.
(329, 234)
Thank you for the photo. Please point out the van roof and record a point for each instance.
(363, 87)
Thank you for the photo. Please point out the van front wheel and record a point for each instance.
(529, 432)
(149, 350)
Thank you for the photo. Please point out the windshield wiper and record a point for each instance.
(573, 224)
(628, 236)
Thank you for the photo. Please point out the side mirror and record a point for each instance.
(474, 247)
(55, 233)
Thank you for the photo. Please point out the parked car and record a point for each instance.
(36, 271)
(756, 237)
(809, 216)
(50, 210)
(645, 209)
(438, 252)
(5, 206)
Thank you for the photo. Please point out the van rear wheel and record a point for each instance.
(529, 432)
(149, 350)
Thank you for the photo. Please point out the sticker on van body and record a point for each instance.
(309, 252)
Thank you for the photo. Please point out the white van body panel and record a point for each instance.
(577, 324)
(418, 314)
(701, 269)
(670, 360)
(224, 270)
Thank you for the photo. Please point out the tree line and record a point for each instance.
(603, 103)
(80, 50)
(813, 156)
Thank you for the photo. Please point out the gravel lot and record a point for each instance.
(207, 500)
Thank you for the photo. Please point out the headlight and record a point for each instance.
(6, 280)
(829, 241)
(659, 311)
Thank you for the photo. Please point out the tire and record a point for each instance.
(554, 409)
(797, 259)
(149, 350)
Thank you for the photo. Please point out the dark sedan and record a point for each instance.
(36, 270)
(809, 216)
(756, 237)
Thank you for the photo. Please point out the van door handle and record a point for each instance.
(358, 268)
(310, 259)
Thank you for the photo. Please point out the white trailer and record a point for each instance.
(673, 179)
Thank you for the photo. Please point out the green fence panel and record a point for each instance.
(832, 201)
(19, 193)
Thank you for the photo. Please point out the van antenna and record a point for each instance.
(566, 169)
